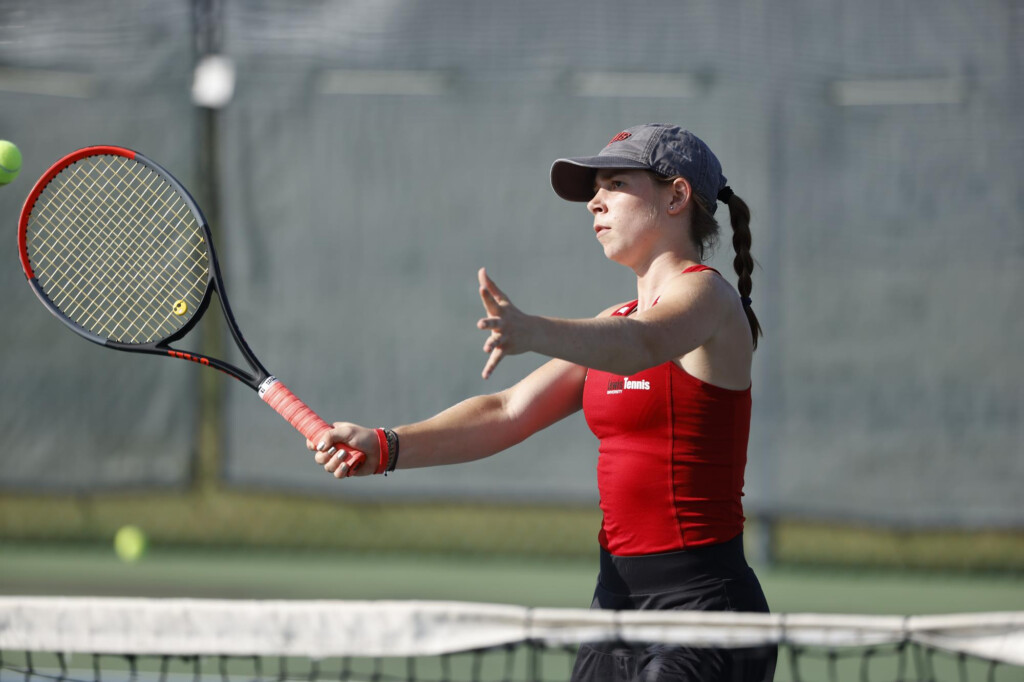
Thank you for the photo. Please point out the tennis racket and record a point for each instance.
(117, 249)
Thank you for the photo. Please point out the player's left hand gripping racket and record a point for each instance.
(118, 250)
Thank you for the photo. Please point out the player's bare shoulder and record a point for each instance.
(712, 283)
(706, 291)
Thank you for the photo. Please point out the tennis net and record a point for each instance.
(177, 639)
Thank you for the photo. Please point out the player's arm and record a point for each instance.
(689, 312)
(474, 428)
(484, 425)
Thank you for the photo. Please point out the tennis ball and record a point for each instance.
(130, 544)
(10, 161)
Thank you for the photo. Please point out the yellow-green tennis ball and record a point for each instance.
(10, 161)
(130, 543)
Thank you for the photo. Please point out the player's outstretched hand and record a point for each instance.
(340, 451)
(509, 327)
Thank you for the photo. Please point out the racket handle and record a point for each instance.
(299, 415)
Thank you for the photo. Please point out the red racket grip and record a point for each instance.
(299, 415)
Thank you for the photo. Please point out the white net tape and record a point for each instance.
(322, 629)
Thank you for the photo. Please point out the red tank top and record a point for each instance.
(672, 454)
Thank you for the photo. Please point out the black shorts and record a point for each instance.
(713, 578)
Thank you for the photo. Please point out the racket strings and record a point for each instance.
(115, 247)
(87, 244)
(102, 313)
(117, 257)
(71, 298)
(107, 269)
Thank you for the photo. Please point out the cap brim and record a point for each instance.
(573, 179)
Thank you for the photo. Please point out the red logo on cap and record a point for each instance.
(620, 137)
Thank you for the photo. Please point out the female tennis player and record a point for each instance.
(664, 384)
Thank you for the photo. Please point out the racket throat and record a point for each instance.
(266, 385)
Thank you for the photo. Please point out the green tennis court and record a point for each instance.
(91, 569)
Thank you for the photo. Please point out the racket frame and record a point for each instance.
(215, 283)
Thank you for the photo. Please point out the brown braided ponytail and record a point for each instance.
(743, 263)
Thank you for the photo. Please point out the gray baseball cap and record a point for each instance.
(667, 150)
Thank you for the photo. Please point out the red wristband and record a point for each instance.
(382, 441)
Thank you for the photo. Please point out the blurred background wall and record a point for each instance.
(373, 154)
